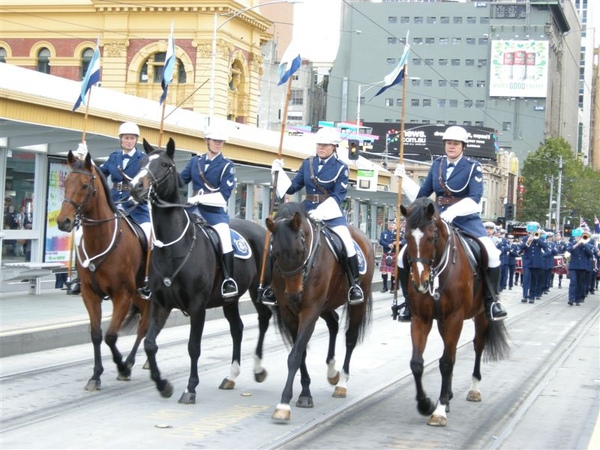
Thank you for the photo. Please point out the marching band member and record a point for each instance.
(533, 263)
(458, 183)
(580, 251)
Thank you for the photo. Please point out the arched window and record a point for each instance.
(43, 60)
(2, 55)
(152, 70)
(86, 59)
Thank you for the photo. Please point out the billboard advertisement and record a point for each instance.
(424, 142)
(57, 244)
(519, 69)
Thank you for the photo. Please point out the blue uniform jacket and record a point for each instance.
(219, 176)
(579, 255)
(465, 181)
(504, 247)
(513, 252)
(533, 256)
(387, 237)
(333, 178)
(112, 167)
(549, 255)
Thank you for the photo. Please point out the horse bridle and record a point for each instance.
(158, 181)
(309, 255)
(90, 192)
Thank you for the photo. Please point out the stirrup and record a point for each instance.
(232, 284)
(268, 297)
(145, 292)
(357, 290)
(501, 314)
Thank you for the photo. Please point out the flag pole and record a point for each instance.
(274, 187)
(162, 121)
(85, 117)
(399, 199)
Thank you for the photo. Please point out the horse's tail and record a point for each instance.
(131, 321)
(496, 341)
(283, 329)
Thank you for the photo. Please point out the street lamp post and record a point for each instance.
(216, 27)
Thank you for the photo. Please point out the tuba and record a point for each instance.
(585, 237)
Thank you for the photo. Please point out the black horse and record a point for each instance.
(185, 271)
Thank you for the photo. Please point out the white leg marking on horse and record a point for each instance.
(258, 368)
(474, 384)
(440, 410)
(331, 370)
(283, 406)
(343, 383)
(234, 371)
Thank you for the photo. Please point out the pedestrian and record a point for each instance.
(532, 248)
(325, 178)
(580, 250)
(213, 180)
(457, 181)
(387, 240)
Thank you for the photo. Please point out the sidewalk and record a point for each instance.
(53, 319)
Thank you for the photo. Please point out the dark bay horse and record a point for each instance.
(110, 262)
(309, 283)
(445, 287)
(185, 271)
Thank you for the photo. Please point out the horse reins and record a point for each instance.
(310, 257)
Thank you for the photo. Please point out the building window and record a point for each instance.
(404, 19)
(455, 62)
(453, 103)
(426, 121)
(297, 97)
(441, 103)
(427, 83)
(154, 66)
(478, 123)
(471, 19)
(416, 82)
(467, 123)
(2, 55)
(454, 83)
(471, 41)
(442, 83)
(392, 40)
(430, 41)
(482, 62)
(452, 122)
(457, 19)
(456, 41)
(43, 60)
(443, 62)
(416, 61)
(506, 126)
(294, 117)
(484, 41)
(398, 102)
(484, 20)
(429, 61)
(86, 59)
(444, 19)
(431, 19)
(468, 83)
(392, 19)
(391, 61)
(426, 102)
(443, 41)
(419, 19)
(414, 102)
(468, 103)
(389, 102)
(417, 41)
(469, 62)
(480, 103)
(481, 83)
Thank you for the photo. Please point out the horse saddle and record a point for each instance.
(137, 230)
(475, 250)
(335, 244)
(241, 249)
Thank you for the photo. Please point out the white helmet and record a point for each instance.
(216, 133)
(129, 128)
(491, 225)
(455, 133)
(328, 135)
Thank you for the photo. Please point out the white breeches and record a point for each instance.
(344, 233)
(492, 251)
(225, 236)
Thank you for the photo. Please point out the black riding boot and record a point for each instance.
(74, 286)
(384, 277)
(355, 294)
(229, 287)
(493, 307)
(392, 284)
(405, 316)
(145, 291)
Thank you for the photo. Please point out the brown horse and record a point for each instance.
(309, 283)
(110, 262)
(443, 287)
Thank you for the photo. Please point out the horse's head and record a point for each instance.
(158, 176)
(291, 242)
(80, 188)
(422, 240)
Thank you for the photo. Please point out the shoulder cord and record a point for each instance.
(313, 178)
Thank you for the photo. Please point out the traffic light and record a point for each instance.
(509, 211)
(352, 149)
(567, 230)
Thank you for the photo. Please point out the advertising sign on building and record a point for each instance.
(519, 69)
(58, 243)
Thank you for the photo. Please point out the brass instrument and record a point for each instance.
(585, 237)
(536, 235)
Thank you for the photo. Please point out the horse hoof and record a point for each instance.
(305, 402)
(167, 391)
(187, 398)
(339, 392)
(93, 385)
(281, 416)
(146, 365)
(474, 396)
(123, 377)
(437, 421)
(334, 379)
(260, 376)
(227, 384)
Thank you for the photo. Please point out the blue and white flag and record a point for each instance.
(92, 76)
(290, 63)
(169, 67)
(397, 75)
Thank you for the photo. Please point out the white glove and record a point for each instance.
(277, 165)
(316, 215)
(400, 172)
(195, 199)
(447, 216)
(81, 151)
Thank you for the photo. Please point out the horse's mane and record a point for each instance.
(418, 213)
(79, 165)
(289, 209)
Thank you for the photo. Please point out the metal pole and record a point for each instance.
(358, 108)
(558, 194)
(211, 108)
(549, 223)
